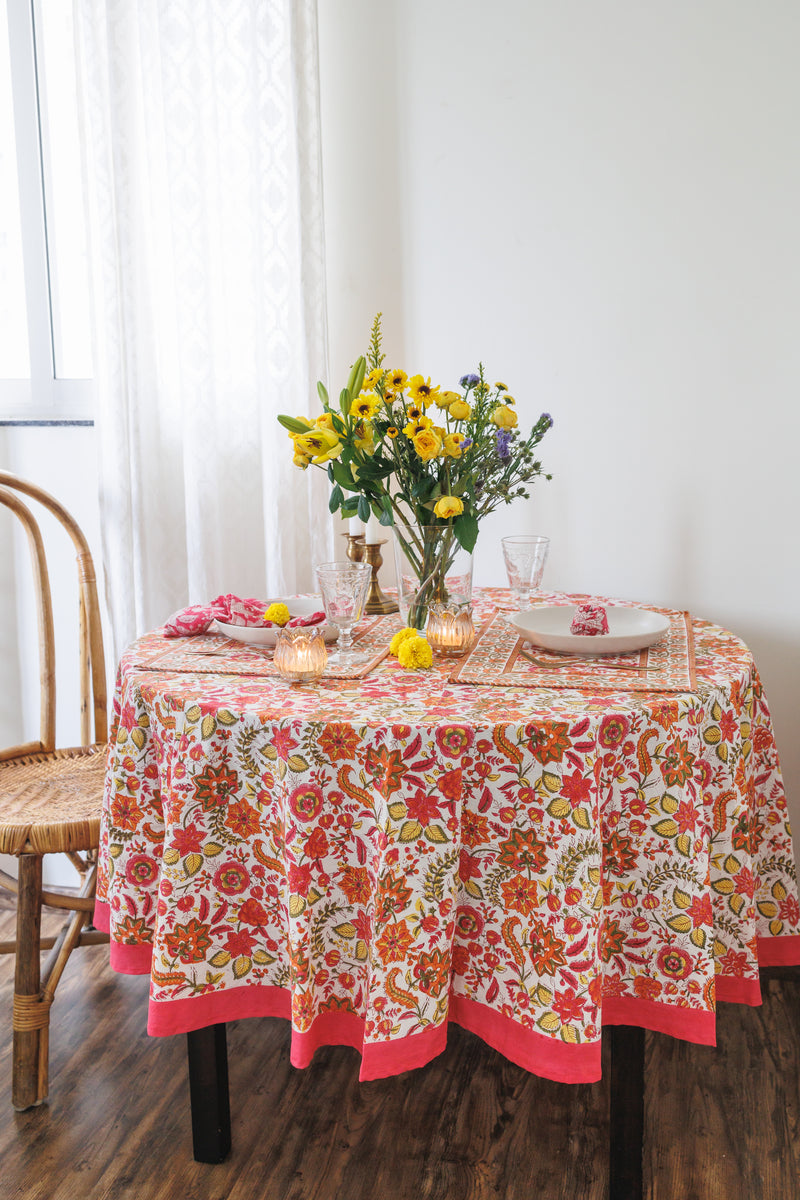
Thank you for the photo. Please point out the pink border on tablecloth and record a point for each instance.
(528, 1048)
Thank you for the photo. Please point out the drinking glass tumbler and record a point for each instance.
(525, 556)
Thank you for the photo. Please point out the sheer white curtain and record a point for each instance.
(201, 132)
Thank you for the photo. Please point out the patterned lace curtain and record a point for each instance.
(202, 163)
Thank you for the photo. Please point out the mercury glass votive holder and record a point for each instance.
(450, 631)
(300, 654)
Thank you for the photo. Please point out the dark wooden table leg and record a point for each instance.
(208, 1093)
(626, 1133)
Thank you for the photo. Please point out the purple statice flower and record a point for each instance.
(504, 439)
(467, 442)
(546, 417)
(469, 381)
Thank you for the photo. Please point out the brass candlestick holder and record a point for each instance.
(376, 601)
(355, 546)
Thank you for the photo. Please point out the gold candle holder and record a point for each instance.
(450, 631)
(300, 654)
(377, 602)
(355, 546)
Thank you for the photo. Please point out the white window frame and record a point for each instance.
(43, 399)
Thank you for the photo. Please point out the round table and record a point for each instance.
(373, 858)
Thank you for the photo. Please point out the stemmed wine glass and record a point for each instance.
(525, 556)
(344, 587)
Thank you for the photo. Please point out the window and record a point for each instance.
(45, 328)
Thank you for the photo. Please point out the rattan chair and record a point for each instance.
(50, 801)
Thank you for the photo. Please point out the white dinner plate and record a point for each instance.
(267, 635)
(628, 629)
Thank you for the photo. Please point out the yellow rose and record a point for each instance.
(278, 614)
(415, 654)
(365, 406)
(401, 636)
(325, 422)
(445, 399)
(503, 417)
(427, 444)
(459, 410)
(453, 443)
(448, 506)
(319, 446)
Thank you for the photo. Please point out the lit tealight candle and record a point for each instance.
(374, 531)
(300, 654)
(450, 631)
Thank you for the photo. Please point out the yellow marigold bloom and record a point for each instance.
(365, 405)
(453, 443)
(448, 506)
(445, 399)
(459, 410)
(416, 412)
(397, 380)
(278, 614)
(392, 432)
(401, 636)
(503, 417)
(415, 654)
(501, 387)
(320, 445)
(420, 389)
(374, 378)
(417, 424)
(508, 399)
(427, 444)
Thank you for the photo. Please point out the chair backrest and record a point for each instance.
(92, 669)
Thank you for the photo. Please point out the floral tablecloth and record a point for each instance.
(375, 858)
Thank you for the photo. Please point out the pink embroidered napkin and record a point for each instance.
(230, 609)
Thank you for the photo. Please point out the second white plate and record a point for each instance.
(628, 629)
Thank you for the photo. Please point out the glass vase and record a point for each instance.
(431, 567)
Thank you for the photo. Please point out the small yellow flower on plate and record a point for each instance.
(278, 614)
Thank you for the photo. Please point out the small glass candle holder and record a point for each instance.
(300, 654)
(450, 631)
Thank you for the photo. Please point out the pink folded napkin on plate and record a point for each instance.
(229, 609)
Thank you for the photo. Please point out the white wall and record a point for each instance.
(600, 203)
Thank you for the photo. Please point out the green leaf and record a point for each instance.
(363, 508)
(465, 528)
(341, 474)
(386, 516)
(323, 392)
(292, 424)
(335, 499)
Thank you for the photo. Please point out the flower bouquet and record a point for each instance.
(426, 461)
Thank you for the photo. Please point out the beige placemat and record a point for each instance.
(500, 657)
(215, 654)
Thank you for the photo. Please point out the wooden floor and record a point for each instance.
(720, 1123)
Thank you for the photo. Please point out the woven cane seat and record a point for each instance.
(50, 803)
